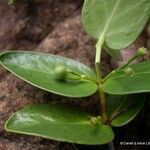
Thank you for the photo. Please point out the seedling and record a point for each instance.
(114, 24)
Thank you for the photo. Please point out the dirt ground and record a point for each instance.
(54, 26)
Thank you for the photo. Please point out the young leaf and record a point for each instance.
(59, 123)
(46, 72)
(123, 109)
(121, 82)
(118, 22)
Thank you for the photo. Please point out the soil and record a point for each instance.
(54, 26)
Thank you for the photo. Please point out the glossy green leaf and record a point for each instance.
(59, 123)
(123, 109)
(121, 83)
(118, 22)
(40, 70)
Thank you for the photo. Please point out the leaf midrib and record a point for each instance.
(102, 35)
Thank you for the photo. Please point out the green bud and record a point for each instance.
(60, 73)
(141, 52)
(95, 120)
(128, 71)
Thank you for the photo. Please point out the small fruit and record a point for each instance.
(95, 120)
(141, 52)
(128, 71)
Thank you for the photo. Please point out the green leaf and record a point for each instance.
(118, 22)
(40, 70)
(121, 83)
(123, 109)
(59, 123)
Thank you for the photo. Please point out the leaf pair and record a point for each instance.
(39, 70)
(70, 125)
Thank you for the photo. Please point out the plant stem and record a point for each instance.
(98, 58)
(122, 67)
(98, 71)
(129, 62)
(140, 53)
(99, 75)
(111, 146)
(83, 77)
(75, 148)
(103, 105)
(99, 45)
(109, 75)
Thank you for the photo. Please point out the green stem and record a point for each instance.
(111, 146)
(122, 67)
(83, 77)
(75, 148)
(137, 55)
(99, 45)
(99, 75)
(114, 71)
(103, 105)
(140, 53)
(128, 63)
(98, 71)
(109, 75)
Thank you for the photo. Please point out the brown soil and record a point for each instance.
(53, 26)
